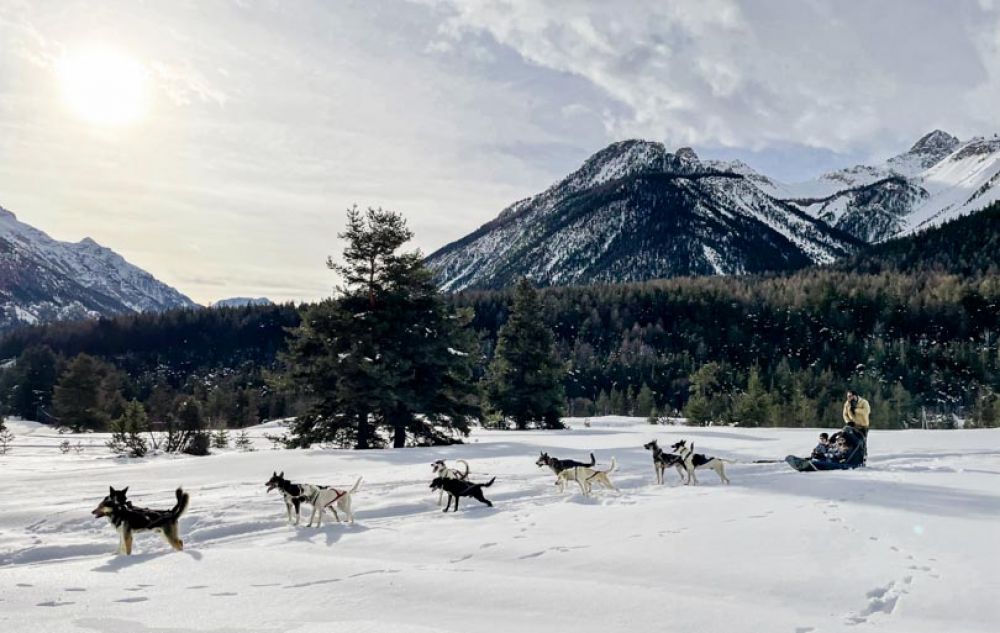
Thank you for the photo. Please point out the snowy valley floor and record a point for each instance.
(907, 545)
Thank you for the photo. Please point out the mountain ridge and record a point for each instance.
(44, 279)
(846, 208)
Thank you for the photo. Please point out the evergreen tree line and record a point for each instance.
(81, 374)
(774, 350)
(390, 360)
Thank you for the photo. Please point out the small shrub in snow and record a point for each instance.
(198, 444)
(6, 437)
(65, 447)
(242, 441)
(220, 438)
(126, 431)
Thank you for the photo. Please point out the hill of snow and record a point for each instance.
(907, 545)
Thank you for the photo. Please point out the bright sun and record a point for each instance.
(103, 86)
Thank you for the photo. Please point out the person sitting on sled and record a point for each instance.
(839, 451)
(822, 450)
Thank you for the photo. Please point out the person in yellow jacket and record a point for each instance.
(857, 413)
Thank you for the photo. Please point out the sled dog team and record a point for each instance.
(129, 519)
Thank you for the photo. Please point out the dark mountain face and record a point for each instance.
(632, 212)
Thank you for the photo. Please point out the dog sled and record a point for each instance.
(855, 456)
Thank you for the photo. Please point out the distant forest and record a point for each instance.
(913, 324)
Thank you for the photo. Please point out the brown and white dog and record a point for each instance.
(585, 477)
(129, 519)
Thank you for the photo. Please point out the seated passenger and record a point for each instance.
(840, 450)
(822, 450)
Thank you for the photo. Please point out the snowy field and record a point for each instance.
(909, 544)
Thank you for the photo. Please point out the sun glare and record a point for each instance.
(104, 87)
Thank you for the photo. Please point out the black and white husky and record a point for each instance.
(559, 465)
(663, 460)
(442, 470)
(319, 497)
(129, 519)
(693, 461)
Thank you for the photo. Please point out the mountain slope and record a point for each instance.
(42, 279)
(938, 179)
(633, 211)
(967, 246)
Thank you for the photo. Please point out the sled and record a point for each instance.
(854, 459)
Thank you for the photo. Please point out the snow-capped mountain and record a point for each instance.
(42, 279)
(239, 302)
(634, 211)
(938, 179)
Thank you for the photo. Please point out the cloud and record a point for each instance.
(270, 118)
(828, 74)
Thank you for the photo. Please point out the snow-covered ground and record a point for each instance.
(907, 545)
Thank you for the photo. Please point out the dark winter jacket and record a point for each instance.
(822, 451)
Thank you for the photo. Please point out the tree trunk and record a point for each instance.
(364, 432)
(399, 436)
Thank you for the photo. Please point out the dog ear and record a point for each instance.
(112, 490)
(282, 475)
(124, 490)
(274, 473)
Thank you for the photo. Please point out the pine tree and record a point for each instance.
(78, 397)
(388, 351)
(524, 381)
(645, 402)
(127, 431)
(754, 406)
(706, 403)
(243, 441)
(220, 438)
(603, 404)
(6, 436)
(27, 387)
(193, 438)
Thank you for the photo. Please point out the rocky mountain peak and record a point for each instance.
(937, 142)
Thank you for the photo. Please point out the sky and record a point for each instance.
(217, 143)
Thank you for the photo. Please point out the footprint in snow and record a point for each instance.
(137, 599)
(880, 600)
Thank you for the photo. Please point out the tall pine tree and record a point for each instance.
(524, 381)
(387, 352)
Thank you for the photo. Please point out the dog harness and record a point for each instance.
(315, 496)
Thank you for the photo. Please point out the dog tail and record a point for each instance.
(614, 465)
(592, 460)
(466, 464)
(357, 484)
(182, 503)
(489, 483)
